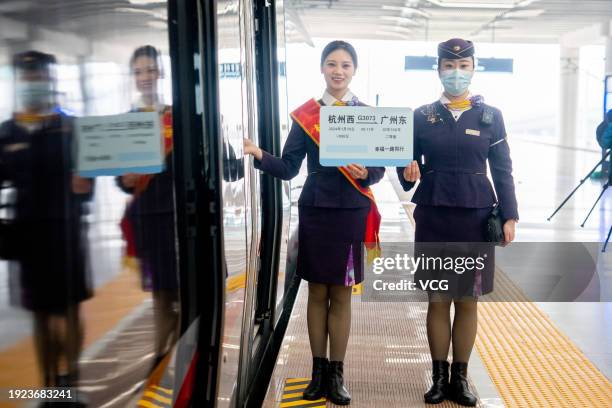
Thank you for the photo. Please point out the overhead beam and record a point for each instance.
(12, 30)
(593, 34)
(60, 43)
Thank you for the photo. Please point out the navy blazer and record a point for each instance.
(324, 186)
(40, 166)
(455, 153)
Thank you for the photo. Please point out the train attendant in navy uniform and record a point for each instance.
(336, 214)
(455, 136)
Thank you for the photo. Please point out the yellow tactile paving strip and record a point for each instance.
(530, 361)
(292, 395)
(156, 397)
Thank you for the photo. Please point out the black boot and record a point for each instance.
(318, 384)
(439, 390)
(336, 392)
(458, 390)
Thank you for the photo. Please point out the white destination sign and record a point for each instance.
(365, 135)
(119, 144)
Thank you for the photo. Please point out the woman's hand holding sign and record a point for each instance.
(357, 172)
(412, 172)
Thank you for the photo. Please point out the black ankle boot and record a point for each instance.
(318, 384)
(439, 374)
(458, 390)
(336, 392)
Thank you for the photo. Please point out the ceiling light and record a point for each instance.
(529, 13)
(446, 4)
(525, 3)
(161, 13)
(145, 2)
(401, 20)
(407, 10)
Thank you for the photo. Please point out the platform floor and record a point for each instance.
(526, 354)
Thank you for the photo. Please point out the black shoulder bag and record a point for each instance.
(495, 226)
(495, 223)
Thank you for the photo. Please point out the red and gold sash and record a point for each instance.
(307, 116)
(166, 124)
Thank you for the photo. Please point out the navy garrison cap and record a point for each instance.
(455, 48)
(33, 60)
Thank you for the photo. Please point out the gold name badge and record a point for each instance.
(472, 132)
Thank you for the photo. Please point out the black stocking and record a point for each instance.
(318, 305)
(465, 324)
(438, 327)
(339, 320)
(166, 321)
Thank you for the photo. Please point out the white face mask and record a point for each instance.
(35, 95)
(456, 81)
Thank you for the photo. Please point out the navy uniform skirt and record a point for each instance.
(330, 245)
(155, 241)
(54, 272)
(457, 233)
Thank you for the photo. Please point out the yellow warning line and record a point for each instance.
(297, 403)
(296, 387)
(530, 361)
(303, 402)
(295, 380)
(236, 282)
(293, 395)
(148, 404)
(156, 397)
(162, 389)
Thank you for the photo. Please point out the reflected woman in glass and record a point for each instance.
(454, 139)
(337, 213)
(148, 224)
(48, 238)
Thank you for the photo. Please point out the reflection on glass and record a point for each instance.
(42, 232)
(288, 248)
(235, 208)
(148, 223)
(71, 312)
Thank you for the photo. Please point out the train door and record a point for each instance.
(252, 94)
(240, 197)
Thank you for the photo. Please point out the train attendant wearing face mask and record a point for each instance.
(454, 138)
(337, 213)
(48, 236)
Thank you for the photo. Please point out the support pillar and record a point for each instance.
(570, 63)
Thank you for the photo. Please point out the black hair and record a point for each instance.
(33, 61)
(145, 51)
(339, 45)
